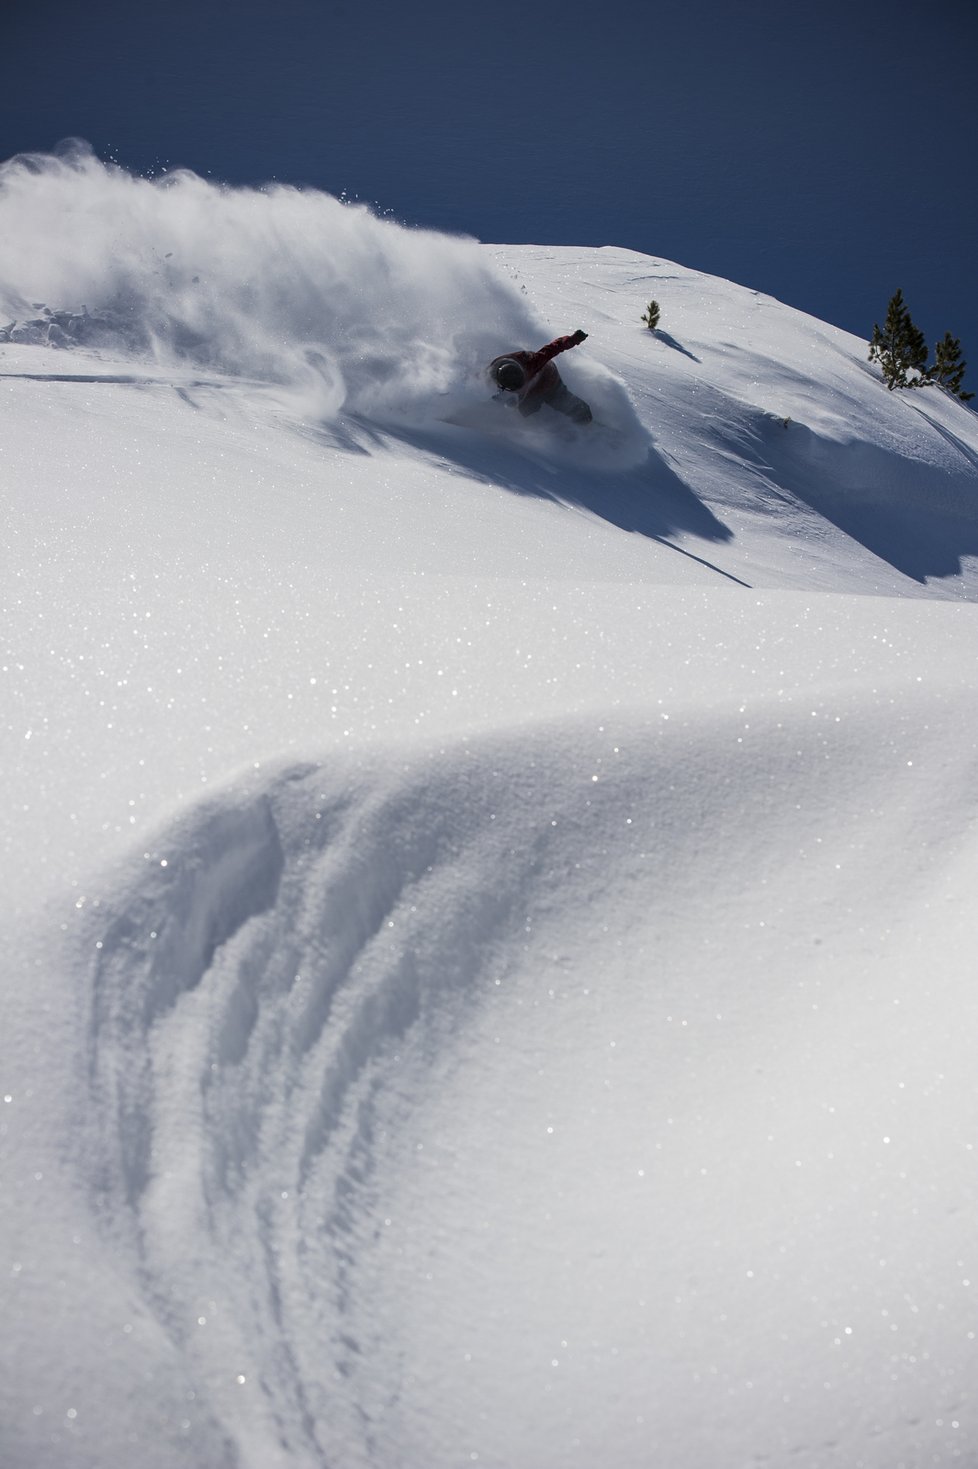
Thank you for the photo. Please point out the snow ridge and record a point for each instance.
(370, 1020)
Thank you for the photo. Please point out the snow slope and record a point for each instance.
(488, 938)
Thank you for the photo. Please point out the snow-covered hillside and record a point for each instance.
(488, 923)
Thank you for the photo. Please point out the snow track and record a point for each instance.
(239, 1049)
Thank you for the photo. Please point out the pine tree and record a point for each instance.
(949, 368)
(900, 348)
(651, 317)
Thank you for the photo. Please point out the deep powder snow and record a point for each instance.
(488, 925)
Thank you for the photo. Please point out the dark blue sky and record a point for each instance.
(823, 153)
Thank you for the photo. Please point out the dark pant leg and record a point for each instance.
(562, 400)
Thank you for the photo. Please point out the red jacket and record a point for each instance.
(541, 375)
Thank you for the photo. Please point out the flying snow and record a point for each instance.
(343, 311)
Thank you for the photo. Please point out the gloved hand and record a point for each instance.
(579, 337)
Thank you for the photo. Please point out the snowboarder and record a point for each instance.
(535, 381)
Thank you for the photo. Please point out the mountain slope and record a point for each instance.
(488, 933)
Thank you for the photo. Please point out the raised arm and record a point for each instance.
(561, 344)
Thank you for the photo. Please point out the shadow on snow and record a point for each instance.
(650, 500)
(920, 518)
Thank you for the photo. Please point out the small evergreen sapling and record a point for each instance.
(948, 369)
(899, 348)
(651, 317)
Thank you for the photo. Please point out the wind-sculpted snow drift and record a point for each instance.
(380, 1210)
(343, 311)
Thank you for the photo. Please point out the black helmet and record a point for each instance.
(509, 375)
